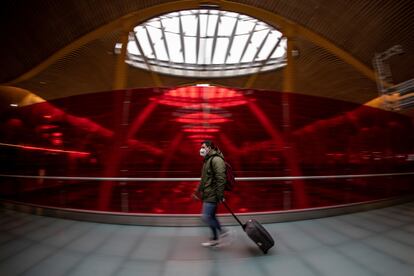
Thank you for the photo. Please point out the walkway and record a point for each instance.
(377, 242)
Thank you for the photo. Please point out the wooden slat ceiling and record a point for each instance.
(31, 31)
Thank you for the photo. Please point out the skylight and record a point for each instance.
(205, 43)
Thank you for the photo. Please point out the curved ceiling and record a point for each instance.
(33, 31)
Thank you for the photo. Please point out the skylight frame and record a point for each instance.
(210, 38)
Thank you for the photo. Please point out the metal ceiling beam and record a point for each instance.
(274, 49)
(154, 76)
(247, 42)
(205, 44)
(164, 38)
(261, 45)
(253, 77)
(198, 36)
(213, 50)
(182, 37)
(151, 43)
(233, 34)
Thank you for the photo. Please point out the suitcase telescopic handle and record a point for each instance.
(235, 217)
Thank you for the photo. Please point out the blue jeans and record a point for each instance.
(209, 217)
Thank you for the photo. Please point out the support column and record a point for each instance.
(288, 83)
(121, 68)
(120, 113)
(300, 198)
(288, 78)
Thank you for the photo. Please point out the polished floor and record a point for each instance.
(376, 242)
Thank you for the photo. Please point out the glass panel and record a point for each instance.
(132, 48)
(221, 49)
(208, 51)
(257, 40)
(244, 27)
(245, 17)
(281, 50)
(201, 59)
(185, 13)
(250, 52)
(231, 14)
(226, 26)
(189, 25)
(237, 48)
(174, 47)
(173, 14)
(203, 25)
(171, 24)
(212, 22)
(271, 41)
(261, 26)
(156, 36)
(143, 41)
(154, 23)
(190, 49)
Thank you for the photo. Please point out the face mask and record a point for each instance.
(203, 152)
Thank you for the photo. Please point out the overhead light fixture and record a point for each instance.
(209, 6)
(118, 48)
(14, 105)
(295, 52)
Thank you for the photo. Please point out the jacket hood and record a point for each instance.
(214, 152)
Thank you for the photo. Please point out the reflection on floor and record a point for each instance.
(377, 242)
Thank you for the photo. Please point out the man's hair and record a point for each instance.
(209, 144)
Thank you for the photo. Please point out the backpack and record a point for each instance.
(230, 179)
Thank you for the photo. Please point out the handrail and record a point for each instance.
(155, 179)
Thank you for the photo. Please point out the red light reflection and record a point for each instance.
(202, 97)
(201, 136)
(201, 129)
(142, 135)
(72, 152)
(200, 117)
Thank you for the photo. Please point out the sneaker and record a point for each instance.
(210, 243)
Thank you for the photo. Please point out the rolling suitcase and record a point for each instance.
(256, 232)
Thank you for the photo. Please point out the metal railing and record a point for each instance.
(192, 179)
(269, 199)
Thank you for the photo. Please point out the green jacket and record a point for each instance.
(213, 177)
